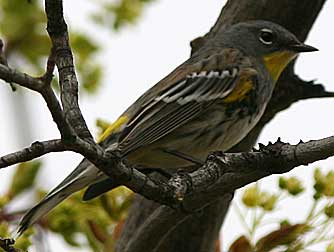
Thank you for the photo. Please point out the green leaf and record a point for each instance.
(324, 183)
(250, 197)
(118, 15)
(292, 185)
(24, 241)
(24, 177)
(91, 78)
(330, 247)
(329, 211)
(268, 201)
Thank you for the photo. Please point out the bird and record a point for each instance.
(208, 103)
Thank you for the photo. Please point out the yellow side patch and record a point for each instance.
(114, 127)
(239, 93)
(277, 61)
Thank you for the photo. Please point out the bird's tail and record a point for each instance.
(84, 175)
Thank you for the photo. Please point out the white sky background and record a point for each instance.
(139, 56)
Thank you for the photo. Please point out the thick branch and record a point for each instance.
(224, 173)
(168, 219)
(147, 236)
(290, 90)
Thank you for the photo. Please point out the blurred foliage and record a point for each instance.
(90, 72)
(316, 228)
(23, 29)
(21, 183)
(292, 185)
(324, 185)
(253, 197)
(98, 221)
(23, 26)
(117, 14)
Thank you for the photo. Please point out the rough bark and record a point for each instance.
(199, 232)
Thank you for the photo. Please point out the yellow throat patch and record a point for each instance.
(277, 61)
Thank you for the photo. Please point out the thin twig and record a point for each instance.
(7, 245)
(9, 75)
(50, 66)
(36, 150)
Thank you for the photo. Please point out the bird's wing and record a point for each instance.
(174, 101)
(178, 103)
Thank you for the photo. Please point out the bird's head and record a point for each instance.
(265, 40)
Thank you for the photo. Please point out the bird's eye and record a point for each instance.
(266, 36)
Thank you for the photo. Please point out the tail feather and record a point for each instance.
(99, 188)
(42, 208)
(85, 174)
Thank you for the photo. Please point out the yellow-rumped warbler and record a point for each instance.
(208, 103)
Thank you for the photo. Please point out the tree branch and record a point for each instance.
(7, 245)
(290, 90)
(37, 149)
(223, 173)
(57, 30)
(9, 75)
(42, 86)
(50, 66)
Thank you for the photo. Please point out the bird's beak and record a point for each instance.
(300, 47)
